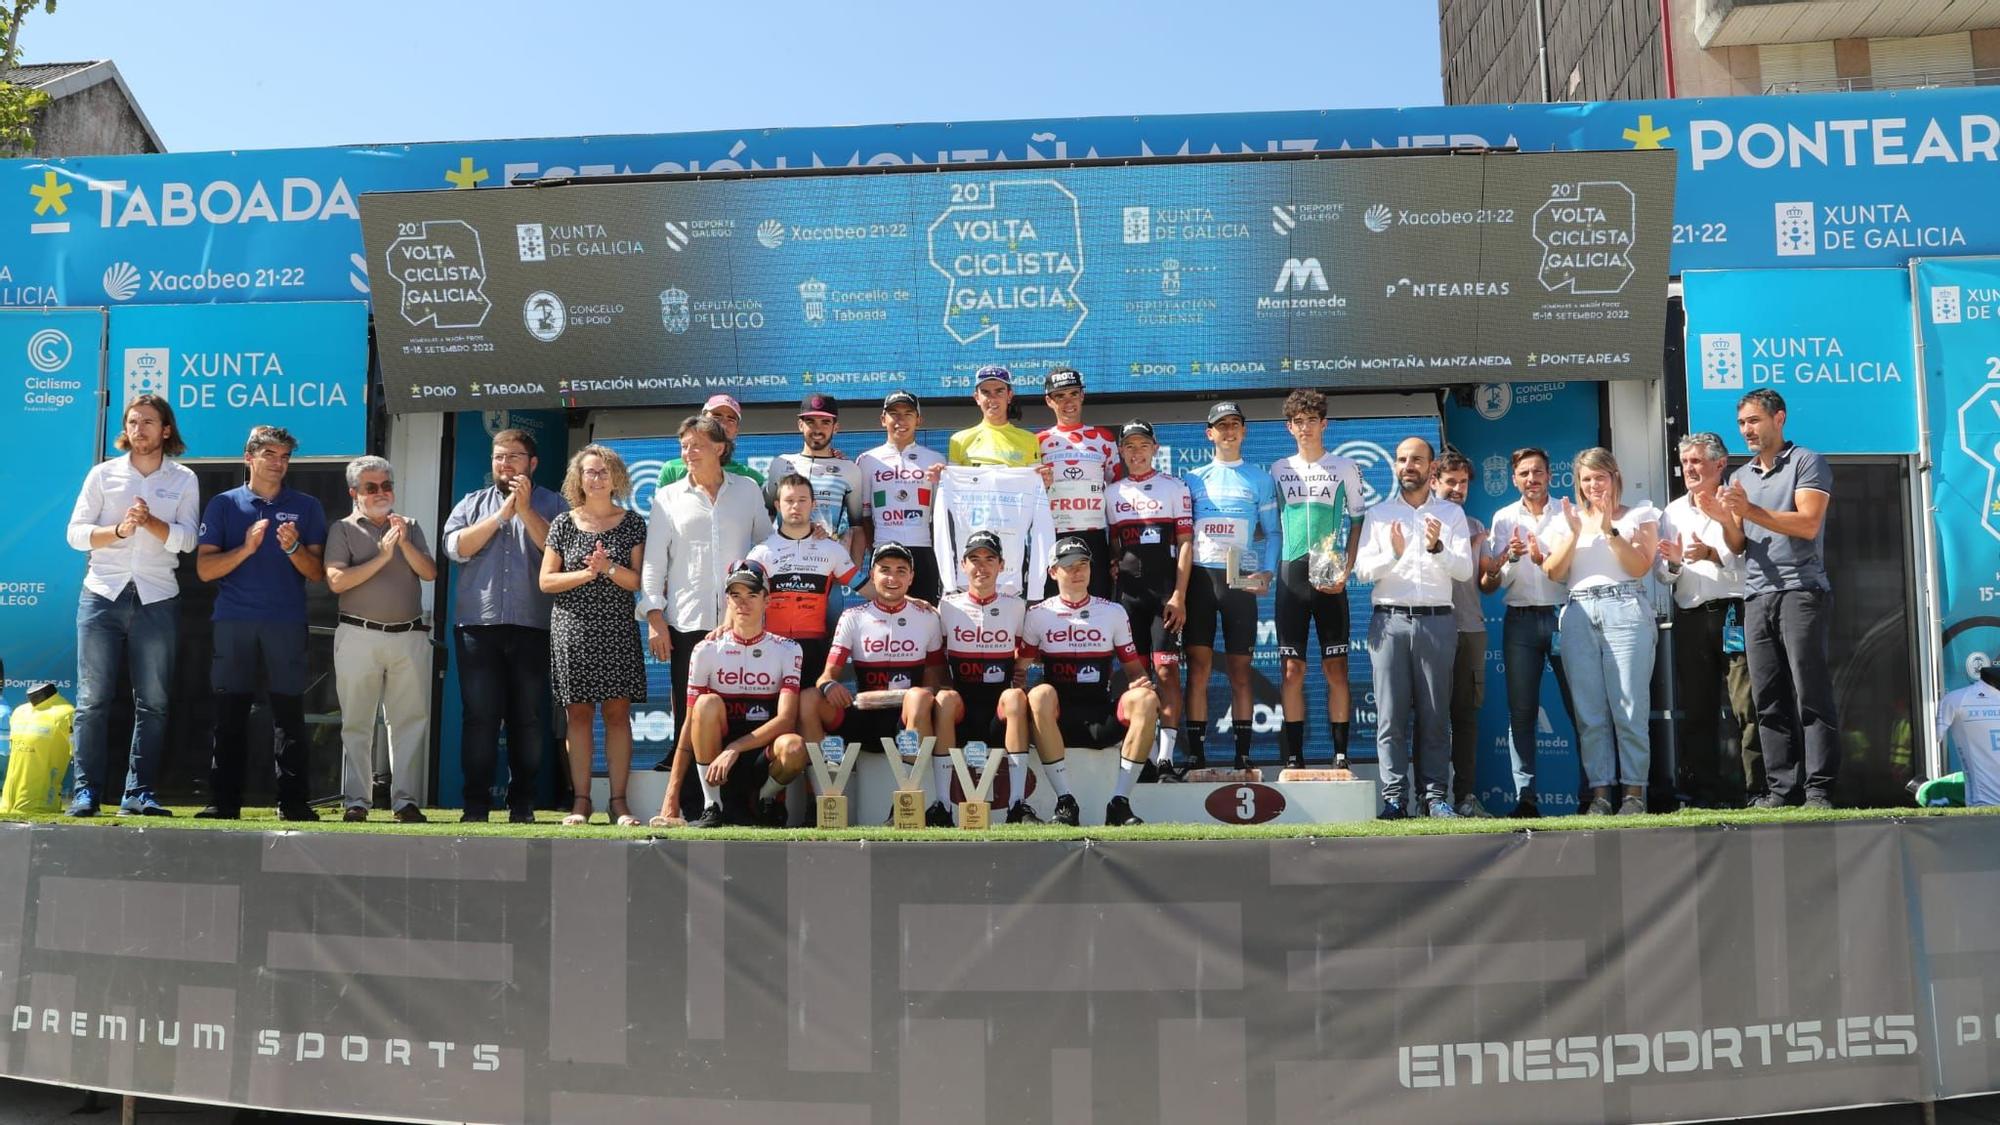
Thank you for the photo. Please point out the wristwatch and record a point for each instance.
(1612, 531)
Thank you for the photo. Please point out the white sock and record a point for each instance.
(772, 787)
(1017, 774)
(711, 793)
(1163, 745)
(1128, 772)
(1058, 774)
(941, 777)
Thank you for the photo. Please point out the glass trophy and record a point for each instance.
(1326, 564)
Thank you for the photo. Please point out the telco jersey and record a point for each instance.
(836, 483)
(1970, 719)
(1010, 503)
(1148, 516)
(889, 647)
(749, 675)
(803, 574)
(1084, 459)
(1078, 643)
(981, 638)
(1232, 502)
(1318, 499)
(897, 492)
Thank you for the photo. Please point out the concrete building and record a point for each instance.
(91, 112)
(1599, 50)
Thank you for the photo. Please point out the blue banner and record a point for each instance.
(1958, 303)
(1856, 179)
(1835, 343)
(1563, 419)
(50, 362)
(300, 365)
(1369, 441)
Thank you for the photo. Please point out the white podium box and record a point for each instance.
(1092, 776)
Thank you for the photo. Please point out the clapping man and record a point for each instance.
(377, 561)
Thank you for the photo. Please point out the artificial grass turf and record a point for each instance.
(445, 825)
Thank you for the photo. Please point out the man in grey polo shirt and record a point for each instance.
(377, 562)
(1773, 512)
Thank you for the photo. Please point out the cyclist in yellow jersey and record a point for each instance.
(994, 441)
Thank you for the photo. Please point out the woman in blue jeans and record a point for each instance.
(1608, 631)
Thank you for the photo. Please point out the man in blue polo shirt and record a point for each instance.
(1773, 511)
(260, 543)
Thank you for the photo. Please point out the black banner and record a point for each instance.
(1537, 977)
(1232, 275)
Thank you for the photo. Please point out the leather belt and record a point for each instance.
(378, 627)
(1413, 610)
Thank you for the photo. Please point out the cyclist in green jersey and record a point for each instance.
(1320, 497)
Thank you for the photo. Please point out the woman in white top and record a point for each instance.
(1608, 632)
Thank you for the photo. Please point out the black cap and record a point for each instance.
(901, 398)
(1224, 409)
(1063, 379)
(748, 572)
(818, 404)
(982, 540)
(1137, 428)
(1069, 548)
(891, 551)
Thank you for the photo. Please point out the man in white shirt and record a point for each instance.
(699, 525)
(1413, 547)
(1516, 544)
(1707, 580)
(1968, 720)
(135, 515)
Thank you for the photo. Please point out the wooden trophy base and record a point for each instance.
(975, 816)
(833, 811)
(909, 808)
(1217, 775)
(1318, 774)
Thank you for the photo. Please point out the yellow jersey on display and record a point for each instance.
(1008, 446)
(38, 756)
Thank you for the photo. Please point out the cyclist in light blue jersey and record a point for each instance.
(1233, 504)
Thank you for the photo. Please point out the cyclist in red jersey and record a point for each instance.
(1078, 638)
(982, 636)
(806, 568)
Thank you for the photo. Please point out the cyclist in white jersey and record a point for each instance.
(982, 636)
(1082, 460)
(898, 479)
(896, 645)
(837, 486)
(1970, 719)
(1079, 639)
(743, 711)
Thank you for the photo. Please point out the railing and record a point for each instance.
(1926, 80)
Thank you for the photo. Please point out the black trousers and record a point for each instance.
(288, 749)
(503, 674)
(1707, 679)
(1785, 634)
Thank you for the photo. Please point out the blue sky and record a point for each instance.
(220, 74)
